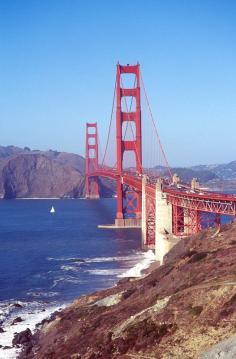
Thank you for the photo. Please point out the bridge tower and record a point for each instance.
(91, 161)
(133, 200)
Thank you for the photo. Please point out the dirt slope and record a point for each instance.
(177, 311)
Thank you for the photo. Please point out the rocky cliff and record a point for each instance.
(180, 310)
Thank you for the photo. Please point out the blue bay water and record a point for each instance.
(47, 260)
(60, 254)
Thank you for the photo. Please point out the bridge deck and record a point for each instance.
(182, 196)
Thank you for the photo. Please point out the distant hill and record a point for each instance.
(187, 173)
(203, 175)
(224, 171)
(216, 176)
(8, 151)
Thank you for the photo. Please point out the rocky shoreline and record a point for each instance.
(179, 310)
(15, 317)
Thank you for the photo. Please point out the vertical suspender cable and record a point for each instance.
(138, 157)
(155, 128)
(109, 130)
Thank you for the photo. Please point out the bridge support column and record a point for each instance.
(119, 212)
(144, 211)
(192, 221)
(91, 161)
(92, 190)
(163, 223)
(124, 115)
(178, 220)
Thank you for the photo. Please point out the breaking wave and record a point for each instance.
(134, 257)
(107, 272)
(136, 271)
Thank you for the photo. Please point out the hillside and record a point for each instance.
(216, 176)
(180, 310)
(225, 171)
(225, 174)
(29, 174)
(35, 175)
(26, 173)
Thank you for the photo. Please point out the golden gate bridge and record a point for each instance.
(151, 198)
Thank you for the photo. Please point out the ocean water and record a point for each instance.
(47, 260)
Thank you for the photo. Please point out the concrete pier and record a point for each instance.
(144, 213)
(92, 196)
(163, 224)
(163, 245)
(123, 224)
(128, 222)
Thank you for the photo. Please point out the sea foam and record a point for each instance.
(31, 314)
(136, 271)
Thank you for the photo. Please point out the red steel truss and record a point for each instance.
(205, 202)
(189, 210)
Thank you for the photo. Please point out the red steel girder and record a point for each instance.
(203, 204)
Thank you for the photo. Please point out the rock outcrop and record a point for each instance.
(179, 310)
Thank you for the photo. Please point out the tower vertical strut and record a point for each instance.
(133, 200)
(91, 161)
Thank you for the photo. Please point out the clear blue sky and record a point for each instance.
(57, 68)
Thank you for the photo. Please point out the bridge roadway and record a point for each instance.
(178, 195)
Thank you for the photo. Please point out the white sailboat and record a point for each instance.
(52, 210)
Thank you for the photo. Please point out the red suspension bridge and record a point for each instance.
(148, 196)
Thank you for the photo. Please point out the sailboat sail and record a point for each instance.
(52, 210)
